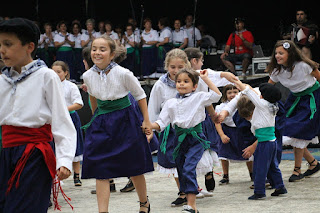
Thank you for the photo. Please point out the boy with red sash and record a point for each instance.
(32, 114)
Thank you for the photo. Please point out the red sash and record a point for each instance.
(34, 138)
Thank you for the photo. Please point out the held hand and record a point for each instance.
(215, 118)
(146, 128)
(222, 115)
(149, 136)
(84, 87)
(203, 74)
(229, 76)
(225, 139)
(63, 173)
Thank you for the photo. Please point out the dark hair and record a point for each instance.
(224, 91)
(164, 21)
(147, 20)
(26, 31)
(193, 52)
(193, 75)
(86, 54)
(245, 106)
(61, 23)
(294, 55)
(78, 24)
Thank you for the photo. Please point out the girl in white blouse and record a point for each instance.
(115, 145)
(302, 126)
(74, 102)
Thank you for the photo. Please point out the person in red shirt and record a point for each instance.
(242, 41)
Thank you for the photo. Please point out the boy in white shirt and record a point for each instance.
(190, 142)
(261, 112)
(32, 114)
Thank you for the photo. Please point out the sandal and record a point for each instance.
(225, 180)
(311, 172)
(76, 179)
(112, 186)
(293, 177)
(129, 187)
(179, 201)
(144, 205)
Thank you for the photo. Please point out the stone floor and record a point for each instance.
(302, 196)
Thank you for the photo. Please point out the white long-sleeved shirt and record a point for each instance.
(229, 119)
(262, 117)
(72, 94)
(118, 83)
(39, 100)
(186, 112)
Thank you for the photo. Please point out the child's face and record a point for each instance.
(101, 53)
(281, 56)
(62, 74)
(13, 53)
(197, 63)
(184, 84)
(231, 93)
(174, 66)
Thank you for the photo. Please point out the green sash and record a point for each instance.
(265, 134)
(71, 112)
(63, 49)
(182, 134)
(107, 106)
(163, 146)
(309, 91)
(136, 52)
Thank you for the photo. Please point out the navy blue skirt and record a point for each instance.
(166, 159)
(154, 143)
(244, 133)
(209, 130)
(77, 124)
(233, 149)
(115, 147)
(148, 60)
(299, 125)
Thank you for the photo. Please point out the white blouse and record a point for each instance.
(60, 38)
(119, 82)
(298, 80)
(262, 117)
(39, 100)
(72, 94)
(186, 112)
(152, 35)
(229, 119)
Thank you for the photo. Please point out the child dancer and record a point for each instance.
(230, 147)
(261, 112)
(74, 102)
(108, 151)
(300, 75)
(195, 56)
(30, 86)
(190, 142)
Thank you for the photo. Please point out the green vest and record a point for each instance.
(107, 106)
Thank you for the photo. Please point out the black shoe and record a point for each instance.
(145, 206)
(251, 176)
(188, 209)
(280, 191)
(76, 179)
(295, 178)
(112, 186)
(225, 180)
(129, 187)
(257, 197)
(50, 203)
(179, 201)
(311, 172)
(210, 182)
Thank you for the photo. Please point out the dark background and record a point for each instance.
(263, 18)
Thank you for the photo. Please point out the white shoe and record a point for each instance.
(200, 195)
(188, 209)
(206, 193)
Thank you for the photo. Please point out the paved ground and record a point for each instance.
(303, 196)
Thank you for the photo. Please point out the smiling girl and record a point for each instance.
(114, 145)
(301, 76)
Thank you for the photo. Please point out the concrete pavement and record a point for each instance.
(302, 197)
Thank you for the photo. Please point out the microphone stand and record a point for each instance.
(140, 46)
(194, 23)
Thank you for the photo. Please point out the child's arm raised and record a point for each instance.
(211, 85)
